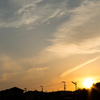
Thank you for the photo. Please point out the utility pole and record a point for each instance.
(64, 85)
(42, 88)
(75, 83)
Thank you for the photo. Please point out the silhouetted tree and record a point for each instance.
(96, 91)
(82, 94)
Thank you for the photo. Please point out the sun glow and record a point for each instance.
(88, 83)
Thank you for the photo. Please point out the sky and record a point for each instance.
(45, 42)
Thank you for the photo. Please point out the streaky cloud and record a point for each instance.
(38, 69)
(77, 67)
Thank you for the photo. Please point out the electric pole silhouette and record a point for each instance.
(64, 85)
(75, 83)
(42, 88)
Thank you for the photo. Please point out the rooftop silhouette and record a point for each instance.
(16, 93)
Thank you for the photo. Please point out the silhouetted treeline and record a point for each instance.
(89, 94)
(81, 94)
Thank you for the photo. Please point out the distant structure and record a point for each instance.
(64, 85)
(42, 88)
(75, 83)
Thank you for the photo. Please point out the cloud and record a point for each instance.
(9, 65)
(14, 70)
(77, 67)
(80, 17)
(7, 76)
(38, 68)
(71, 37)
(4, 76)
(79, 34)
(33, 73)
(9, 68)
(30, 13)
(65, 49)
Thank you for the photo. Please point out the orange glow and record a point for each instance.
(88, 83)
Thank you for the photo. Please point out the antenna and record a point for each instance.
(64, 85)
(42, 88)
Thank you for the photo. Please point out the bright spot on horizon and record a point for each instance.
(88, 83)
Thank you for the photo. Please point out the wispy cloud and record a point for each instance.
(77, 67)
(4, 76)
(7, 76)
(9, 64)
(11, 69)
(30, 13)
(38, 68)
(79, 34)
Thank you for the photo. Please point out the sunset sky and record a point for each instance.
(45, 42)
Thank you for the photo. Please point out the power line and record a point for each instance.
(52, 85)
(57, 84)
